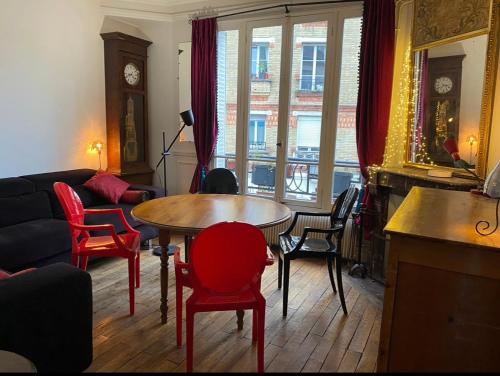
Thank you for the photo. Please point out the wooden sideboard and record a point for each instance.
(442, 296)
(399, 182)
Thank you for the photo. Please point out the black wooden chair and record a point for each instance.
(220, 180)
(294, 247)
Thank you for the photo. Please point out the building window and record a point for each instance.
(260, 55)
(257, 132)
(313, 67)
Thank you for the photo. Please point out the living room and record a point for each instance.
(328, 130)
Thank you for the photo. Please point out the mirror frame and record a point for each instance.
(490, 76)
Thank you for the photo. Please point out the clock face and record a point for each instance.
(131, 74)
(443, 85)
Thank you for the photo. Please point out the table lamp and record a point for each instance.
(98, 146)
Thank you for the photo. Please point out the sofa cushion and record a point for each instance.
(107, 185)
(6, 275)
(134, 197)
(27, 242)
(22, 208)
(112, 218)
(45, 182)
(15, 187)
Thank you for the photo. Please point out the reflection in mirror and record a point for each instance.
(447, 94)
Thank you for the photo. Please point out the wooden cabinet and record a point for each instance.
(442, 298)
(125, 59)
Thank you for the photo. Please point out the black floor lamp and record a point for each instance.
(188, 120)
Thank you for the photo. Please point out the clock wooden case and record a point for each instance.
(442, 107)
(125, 59)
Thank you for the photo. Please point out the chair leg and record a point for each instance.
(74, 260)
(178, 313)
(329, 261)
(286, 280)
(338, 268)
(280, 271)
(255, 323)
(85, 261)
(189, 339)
(138, 270)
(261, 338)
(131, 284)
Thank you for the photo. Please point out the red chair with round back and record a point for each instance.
(113, 245)
(224, 270)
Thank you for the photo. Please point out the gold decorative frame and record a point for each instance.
(490, 77)
(437, 22)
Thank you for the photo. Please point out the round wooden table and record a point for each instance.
(13, 363)
(191, 213)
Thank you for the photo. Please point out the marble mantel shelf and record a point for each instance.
(401, 179)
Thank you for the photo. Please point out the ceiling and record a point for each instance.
(168, 10)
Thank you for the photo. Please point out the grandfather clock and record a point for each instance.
(444, 86)
(125, 59)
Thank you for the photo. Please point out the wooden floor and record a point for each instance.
(315, 337)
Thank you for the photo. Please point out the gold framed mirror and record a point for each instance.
(454, 66)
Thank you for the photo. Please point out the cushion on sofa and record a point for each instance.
(25, 243)
(22, 208)
(112, 218)
(45, 182)
(107, 185)
(15, 186)
(134, 197)
(6, 275)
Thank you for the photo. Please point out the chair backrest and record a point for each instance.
(220, 180)
(342, 207)
(228, 257)
(70, 202)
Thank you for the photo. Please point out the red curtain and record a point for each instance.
(204, 94)
(375, 81)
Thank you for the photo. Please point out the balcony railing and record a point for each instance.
(257, 145)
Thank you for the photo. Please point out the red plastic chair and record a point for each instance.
(224, 270)
(114, 245)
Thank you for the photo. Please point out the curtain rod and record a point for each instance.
(286, 6)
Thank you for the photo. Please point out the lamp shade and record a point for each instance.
(187, 117)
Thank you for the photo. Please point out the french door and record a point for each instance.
(279, 81)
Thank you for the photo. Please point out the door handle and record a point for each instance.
(278, 144)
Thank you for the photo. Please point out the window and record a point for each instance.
(259, 61)
(257, 132)
(287, 139)
(313, 67)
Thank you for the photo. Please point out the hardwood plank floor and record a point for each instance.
(315, 337)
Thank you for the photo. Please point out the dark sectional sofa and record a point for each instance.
(33, 228)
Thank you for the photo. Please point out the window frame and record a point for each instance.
(314, 67)
(258, 61)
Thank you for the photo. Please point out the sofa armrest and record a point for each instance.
(154, 192)
(46, 316)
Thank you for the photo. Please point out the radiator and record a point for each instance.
(348, 242)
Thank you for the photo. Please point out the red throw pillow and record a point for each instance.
(134, 197)
(107, 185)
(5, 275)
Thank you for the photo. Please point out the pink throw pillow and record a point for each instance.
(107, 185)
(134, 197)
(5, 275)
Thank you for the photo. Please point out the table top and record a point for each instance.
(194, 212)
(11, 362)
(445, 215)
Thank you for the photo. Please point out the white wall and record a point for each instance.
(52, 102)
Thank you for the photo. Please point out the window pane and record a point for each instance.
(306, 112)
(264, 109)
(227, 91)
(321, 53)
(346, 156)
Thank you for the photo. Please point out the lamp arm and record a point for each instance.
(175, 138)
